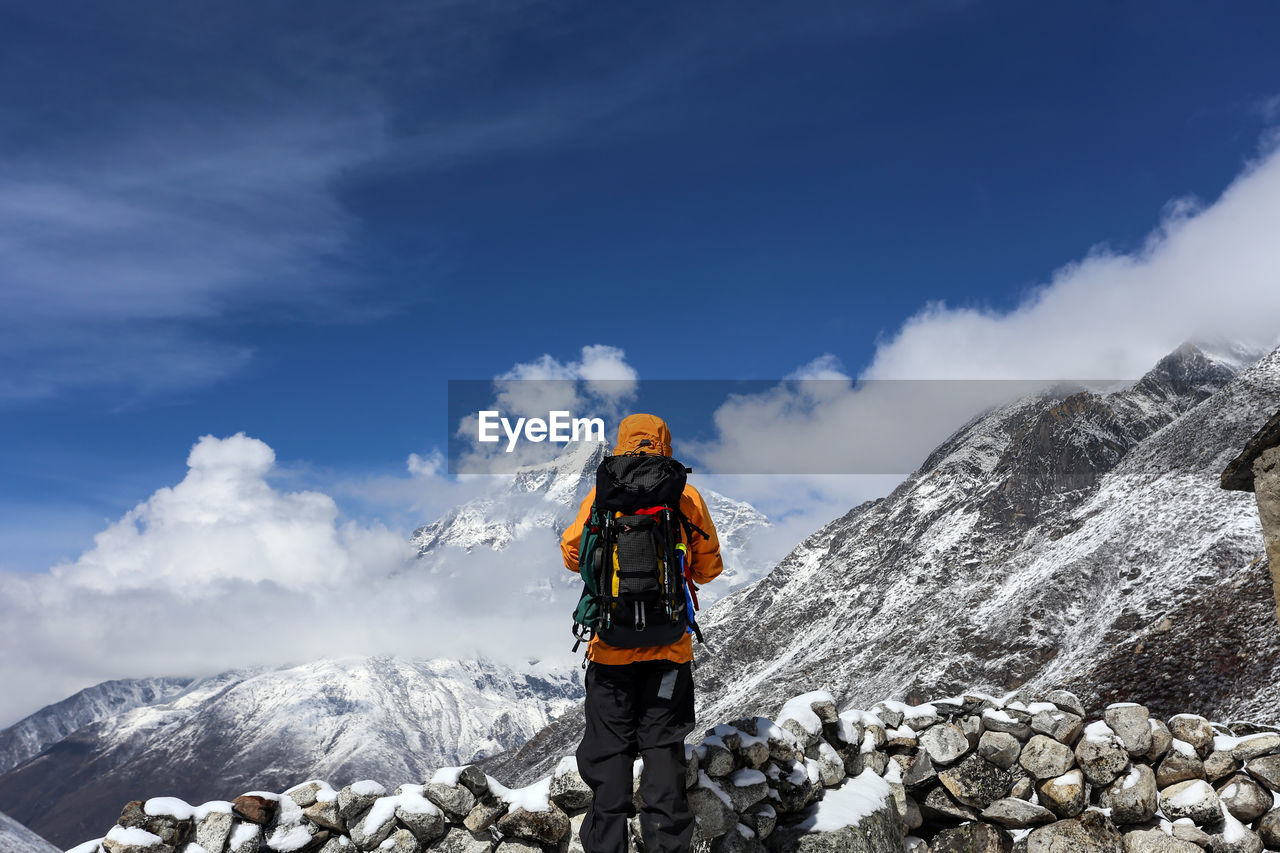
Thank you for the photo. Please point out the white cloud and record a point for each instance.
(224, 569)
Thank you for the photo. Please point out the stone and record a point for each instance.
(1067, 701)
(456, 801)
(1266, 770)
(1132, 724)
(1194, 799)
(325, 814)
(715, 759)
(891, 717)
(245, 837)
(134, 839)
(307, 793)
(911, 817)
(1062, 726)
(1195, 730)
(976, 782)
(374, 825)
(1220, 764)
(714, 816)
(1100, 754)
(570, 792)
(1185, 830)
(971, 838)
(426, 824)
(336, 844)
(1043, 757)
(482, 816)
(1161, 740)
(1236, 839)
(171, 830)
(1181, 764)
(830, 765)
(1155, 841)
(1000, 748)
(458, 840)
(1066, 795)
(546, 827)
(879, 831)
(1023, 788)
(294, 835)
(402, 841)
(997, 720)
(761, 819)
(473, 779)
(1269, 829)
(1092, 832)
(213, 831)
(877, 762)
(255, 809)
(1014, 813)
(971, 725)
(940, 806)
(1133, 798)
(356, 798)
(746, 787)
(919, 772)
(945, 743)
(1255, 746)
(1244, 798)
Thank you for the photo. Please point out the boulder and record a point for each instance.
(1065, 795)
(824, 828)
(1014, 813)
(374, 825)
(456, 801)
(255, 808)
(1195, 800)
(941, 807)
(356, 798)
(711, 808)
(1101, 755)
(1155, 841)
(971, 838)
(998, 720)
(473, 779)
(1256, 745)
(1000, 748)
(1067, 701)
(1266, 770)
(325, 814)
(545, 827)
(1062, 726)
(1181, 764)
(715, 758)
(484, 815)
(1185, 830)
(1132, 724)
(1220, 764)
(403, 841)
(945, 743)
(1133, 798)
(746, 787)
(167, 818)
(133, 839)
(1244, 798)
(1043, 757)
(976, 782)
(1195, 730)
(1092, 832)
(245, 837)
(568, 790)
(307, 793)
(1161, 740)
(760, 819)
(213, 830)
(458, 840)
(1269, 829)
(919, 771)
(1235, 838)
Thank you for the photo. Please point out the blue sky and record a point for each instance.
(299, 220)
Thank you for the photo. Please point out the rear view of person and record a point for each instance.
(642, 539)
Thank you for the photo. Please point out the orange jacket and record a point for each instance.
(704, 554)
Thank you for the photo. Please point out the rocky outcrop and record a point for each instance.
(965, 773)
(1257, 470)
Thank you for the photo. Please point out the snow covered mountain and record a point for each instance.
(342, 720)
(29, 736)
(16, 838)
(541, 500)
(1078, 540)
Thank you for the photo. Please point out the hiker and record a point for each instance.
(640, 686)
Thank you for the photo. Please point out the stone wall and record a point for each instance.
(967, 773)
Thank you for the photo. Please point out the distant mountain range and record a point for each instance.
(1066, 539)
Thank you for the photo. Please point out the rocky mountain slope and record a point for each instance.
(1077, 540)
(16, 838)
(341, 719)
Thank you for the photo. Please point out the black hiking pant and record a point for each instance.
(642, 709)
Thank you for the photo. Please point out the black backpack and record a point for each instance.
(633, 555)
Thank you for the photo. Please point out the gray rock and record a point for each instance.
(713, 814)
(1220, 764)
(715, 759)
(1043, 757)
(473, 779)
(919, 771)
(298, 835)
(570, 793)
(1023, 788)
(945, 743)
(1132, 724)
(484, 815)
(1195, 800)
(1240, 840)
(1269, 829)
(1266, 770)
(1101, 755)
(305, 794)
(972, 726)
(456, 801)
(351, 803)
(148, 843)
(940, 806)
(548, 827)
(1092, 832)
(1161, 740)
(337, 844)
(761, 819)
(426, 826)
(891, 718)
(976, 782)
(403, 841)
(373, 826)
(911, 817)
(1062, 726)
(1184, 831)
(878, 832)
(1014, 813)
(996, 720)
(1256, 746)
(1155, 841)
(971, 838)
(1000, 748)
(1066, 795)
(830, 766)
(1067, 701)
(1244, 798)
(1133, 798)
(213, 831)
(1180, 764)
(325, 814)
(1195, 730)
(246, 837)
(458, 840)
(746, 787)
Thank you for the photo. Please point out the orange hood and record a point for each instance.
(635, 429)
